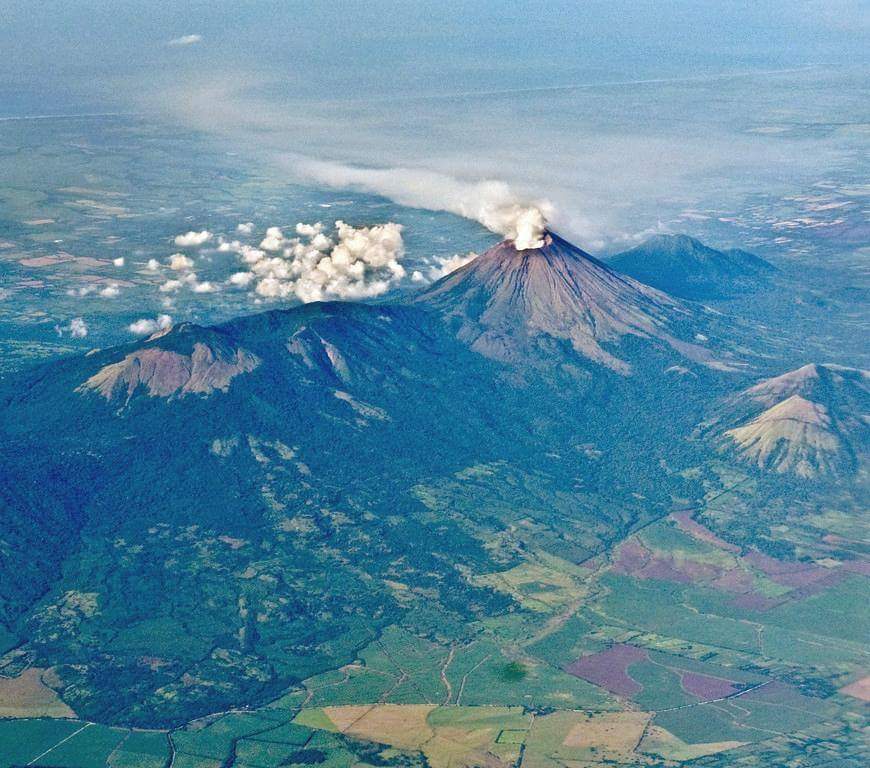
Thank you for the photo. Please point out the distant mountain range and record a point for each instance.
(685, 267)
(280, 474)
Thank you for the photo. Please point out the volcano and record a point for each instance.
(808, 422)
(685, 267)
(515, 305)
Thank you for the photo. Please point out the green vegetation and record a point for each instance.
(833, 613)
(23, 740)
(513, 672)
(90, 748)
(661, 687)
(704, 723)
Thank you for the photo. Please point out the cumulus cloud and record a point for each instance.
(184, 276)
(250, 254)
(119, 262)
(81, 291)
(193, 239)
(493, 203)
(179, 262)
(185, 40)
(241, 279)
(351, 263)
(146, 326)
(444, 265)
(109, 291)
(274, 239)
(189, 280)
(245, 228)
(309, 230)
(170, 286)
(77, 328)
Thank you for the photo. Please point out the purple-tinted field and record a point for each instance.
(755, 602)
(609, 669)
(738, 582)
(786, 573)
(706, 687)
(857, 566)
(636, 560)
(782, 694)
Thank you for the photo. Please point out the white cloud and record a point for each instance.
(170, 286)
(153, 265)
(77, 328)
(241, 279)
(274, 239)
(119, 262)
(251, 255)
(81, 291)
(146, 326)
(309, 230)
(193, 239)
(445, 265)
(185, 40)
(179, 262)
(246, 228)
(109, 291)
(354, 263)
(321, 242)
(188, 279)
(346, 262)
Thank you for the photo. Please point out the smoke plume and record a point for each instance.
(493, 203)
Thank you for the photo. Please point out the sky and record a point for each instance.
(610, 116)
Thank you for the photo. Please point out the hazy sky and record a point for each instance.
(374, 41)
(614, 111)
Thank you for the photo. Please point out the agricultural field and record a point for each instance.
(675, 648)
